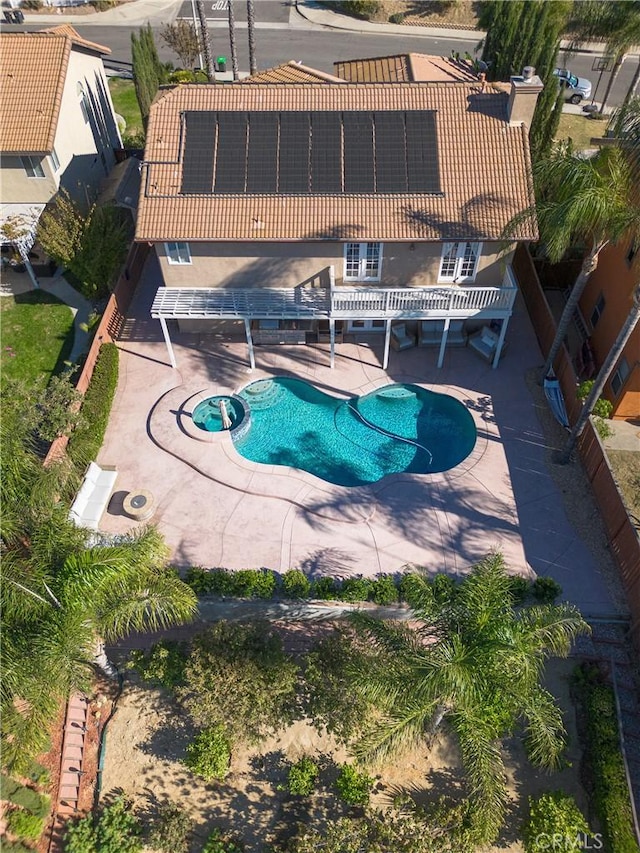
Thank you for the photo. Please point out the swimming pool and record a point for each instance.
(357, 441)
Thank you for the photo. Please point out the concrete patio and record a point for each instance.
(215, 508)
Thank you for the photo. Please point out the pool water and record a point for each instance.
(207, 414)
(357, 441)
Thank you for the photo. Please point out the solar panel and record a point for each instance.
(422, 152)
(326, 152)
(231, 154)
(262, 154)
(358, 152)
(200, 143)
(390, 152)
(293, 162)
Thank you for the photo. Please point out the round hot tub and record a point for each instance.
(218, 413)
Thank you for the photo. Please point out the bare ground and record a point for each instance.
(148, 735)
(626, 469)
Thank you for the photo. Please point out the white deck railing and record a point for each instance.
(342, 302)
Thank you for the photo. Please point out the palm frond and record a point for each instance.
(551, 629)
(545, 736)
(395, 734)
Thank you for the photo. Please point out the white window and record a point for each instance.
(33, 167)
(620, 376)
(366, 325)
(459, 261)
(598, 308)
(177, 253)
(55, 162)
(362, 261)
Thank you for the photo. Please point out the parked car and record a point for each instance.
(576, 88)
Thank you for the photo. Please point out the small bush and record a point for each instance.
(163, 664)
(443, 588)
(520, 589)
(396, 18)
(354, 787)
(302, 778)
(209, 754)
(550, 815)
(25, 825)
(32, 801)
(217, 843)
(254, 583)
(412, 588)
(383, 590)
(602, 407)
(295, 584)
(545, 590)
(324, 588)
(182, 75)
(8, 787)
(15, 847)
(355, 589)
(101, 5)
(199, 580)
(32, 5)
(86, 440)
(115, 829)
(365, 9)
(170, 830)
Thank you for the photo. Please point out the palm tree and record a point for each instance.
(617, 24)
(603, 375)
(476, 663)
(251, 20)
(232, 40)
(205, 40)
(580, 199)
(57, 619)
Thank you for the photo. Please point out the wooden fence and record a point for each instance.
(623, 537)
(108, 328)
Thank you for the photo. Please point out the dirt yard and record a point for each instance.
(147, 737)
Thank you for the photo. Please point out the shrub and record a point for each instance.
(25, 825)
(610, 794)
(101, 5)
(115, 829)
(133, 140)
(355, 589)
(545, 590)
(32, 801)
(237, 674)
(209, 754)
(32, 5)
(182, 75)
(365, 9)
(412, 588)
(170, 830)
(553, 814)
(162, 664)
(302, 778)
(396, 18)
(254, 583)
(198, 579)
(383, 590)
(8, 787)
(15, 847)
(443, 588)
(324, 588)
(86, 441)
(520, 589)
(354, 787)
(602, 408)
(295, 584)
(217, 843)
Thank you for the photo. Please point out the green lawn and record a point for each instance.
(37, 336)
(580, 129)
(125, 102)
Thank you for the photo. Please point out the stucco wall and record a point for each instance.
(245, 265)
(615, 279)
(18, 188)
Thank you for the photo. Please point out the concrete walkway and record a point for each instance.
(59, 287)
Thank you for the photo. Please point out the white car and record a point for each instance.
(576, 88)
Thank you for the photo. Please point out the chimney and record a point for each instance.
(524, 96)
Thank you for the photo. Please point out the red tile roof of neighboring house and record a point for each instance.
(33, 68)
(291, 72)
(484, 163)
(406, 68)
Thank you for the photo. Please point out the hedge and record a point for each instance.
(20, 795)
(603, 758)
(384, 589)
(86, 441)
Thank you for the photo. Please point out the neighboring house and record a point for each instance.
(296, 208)
(58, 125)
(604, 306)
(407, 68)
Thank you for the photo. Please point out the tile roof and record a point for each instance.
(291, 72)
(485, 170)
(33, 67)
(406, 68)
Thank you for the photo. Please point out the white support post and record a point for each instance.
(387, 341)
(247, 328)
(332, 342)
(443, 342)
(167, 340)
(503, 332)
